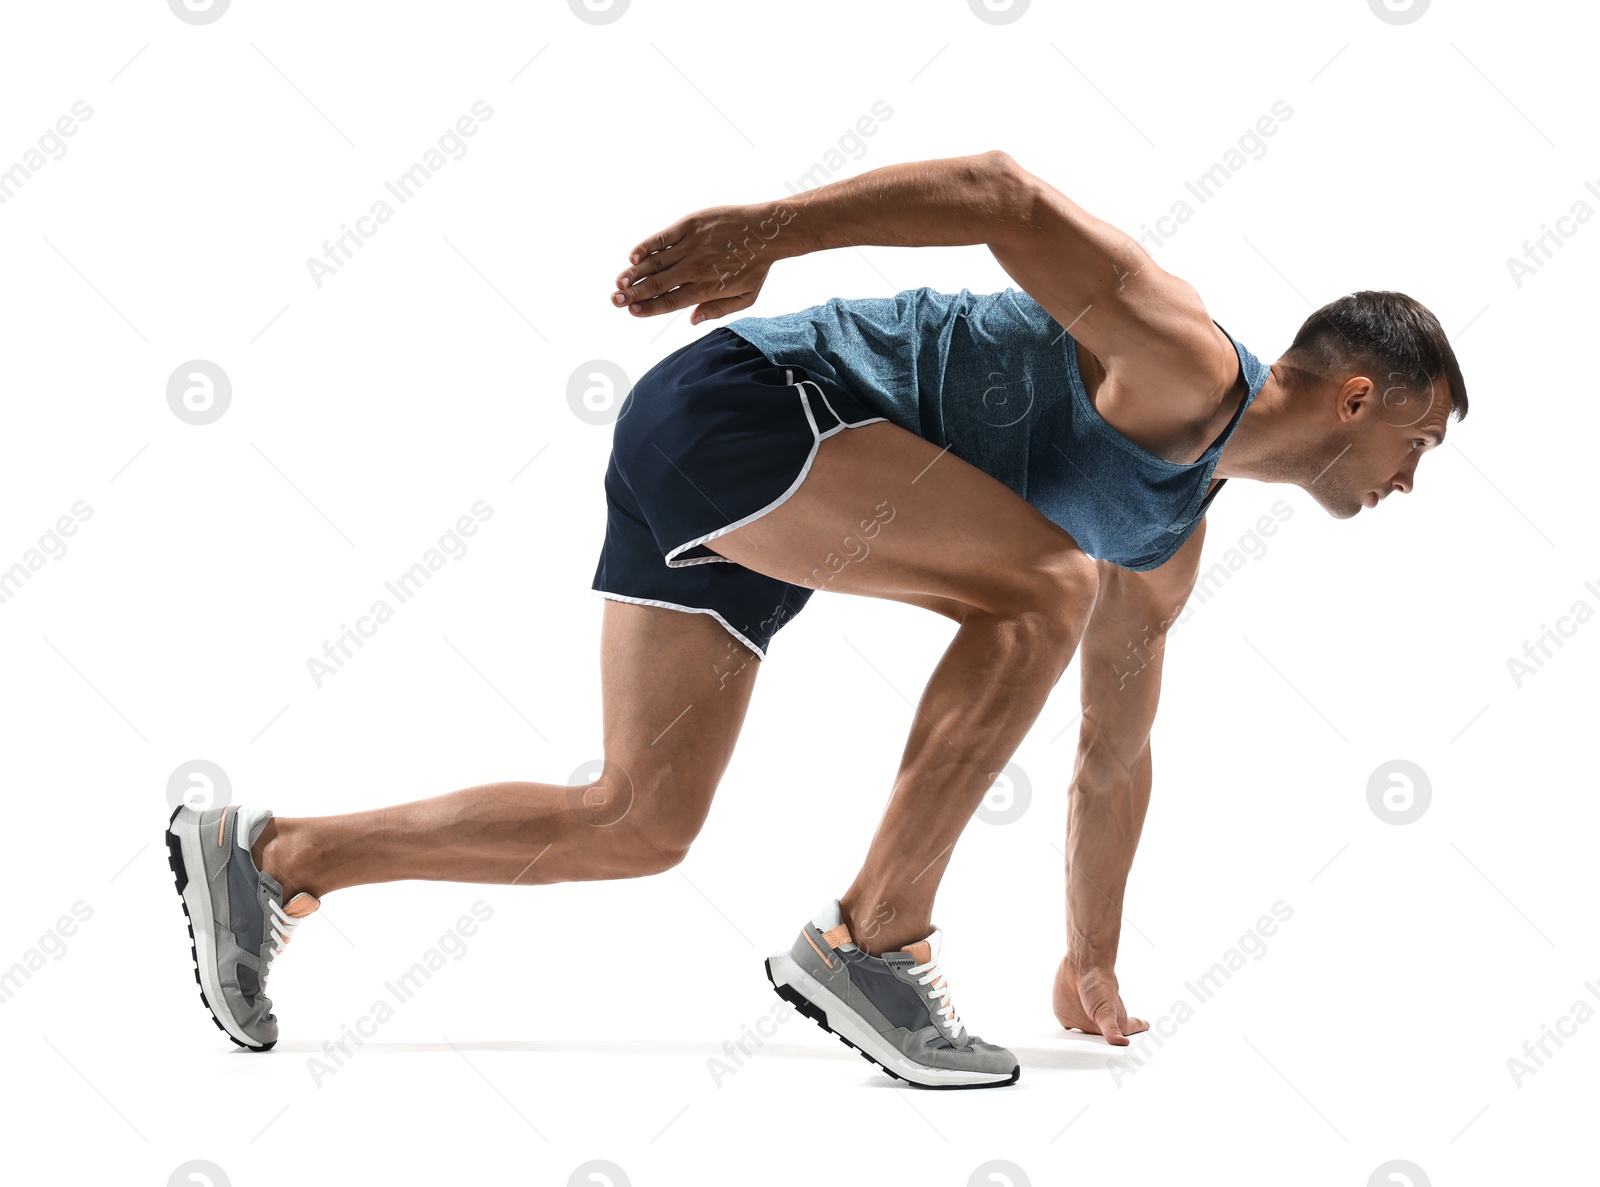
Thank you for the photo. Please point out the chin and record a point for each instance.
(1343, 510)
(1340, 511)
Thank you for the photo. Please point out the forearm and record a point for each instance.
(1122, 656)
(941, 203)
(1106, 811)
(718, 258)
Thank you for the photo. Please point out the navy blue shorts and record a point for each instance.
(712, 437)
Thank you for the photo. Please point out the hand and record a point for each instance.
(716, 259)
(1086, 999)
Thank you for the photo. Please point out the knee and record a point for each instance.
(1072, 577)
(648, 849)
(652, 832)
(1056, 594)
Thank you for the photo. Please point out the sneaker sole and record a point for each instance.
(807, 995)
(181, 857)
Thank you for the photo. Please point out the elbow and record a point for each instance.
(1101, 780)
(1011, 189)
(1110, 759)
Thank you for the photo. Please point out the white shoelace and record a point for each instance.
(932, 974)
(282, 926)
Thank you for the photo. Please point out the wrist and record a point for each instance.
(1081, 958)
(775, 230)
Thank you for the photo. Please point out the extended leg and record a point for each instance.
(671, 720)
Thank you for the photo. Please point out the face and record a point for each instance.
(1382, 434)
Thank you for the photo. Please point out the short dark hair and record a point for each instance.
(1387, 333)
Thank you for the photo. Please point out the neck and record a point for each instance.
(1265, 443)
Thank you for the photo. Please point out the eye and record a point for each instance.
(1416, 444)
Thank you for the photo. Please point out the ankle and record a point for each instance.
(880, 923)
(278, 851)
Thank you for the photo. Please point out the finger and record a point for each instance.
(660, 241)
(1135, 1025)
(679, 298)
(649, 265)
(649, 287)
(671, 277)
(1105, 1018)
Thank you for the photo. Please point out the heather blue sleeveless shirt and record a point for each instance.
(995, 378)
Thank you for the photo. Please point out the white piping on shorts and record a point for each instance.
(816, 443)
(616, 597)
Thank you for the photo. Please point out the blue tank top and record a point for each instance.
(995, 378)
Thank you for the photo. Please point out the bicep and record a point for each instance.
(1124, 642)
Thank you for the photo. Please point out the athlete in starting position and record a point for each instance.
(1033, 464)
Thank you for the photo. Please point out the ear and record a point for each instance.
(1356, 394)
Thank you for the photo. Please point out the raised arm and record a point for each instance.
(1091, 277)
(1121, 657)
(717, 258)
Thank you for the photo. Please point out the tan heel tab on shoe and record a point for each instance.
(301, 905)
(837, 936)
(821, 955)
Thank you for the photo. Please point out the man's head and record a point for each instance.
(1373, 380)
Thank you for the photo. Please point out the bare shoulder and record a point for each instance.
(1169, 335)
(1172, 377)
(1139, 320)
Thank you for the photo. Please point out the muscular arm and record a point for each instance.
(1122, 651)
(940, 203)
(719, 255)
(1146, 326)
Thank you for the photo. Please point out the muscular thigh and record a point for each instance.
(884, 513)
(674, 694)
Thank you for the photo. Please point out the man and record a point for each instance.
(1034, 465)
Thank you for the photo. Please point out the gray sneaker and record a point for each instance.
(237, 917)
(894, 1009)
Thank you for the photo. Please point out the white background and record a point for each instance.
(369, 413)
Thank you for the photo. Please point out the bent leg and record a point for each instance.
(672, 715)
(950, 538)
